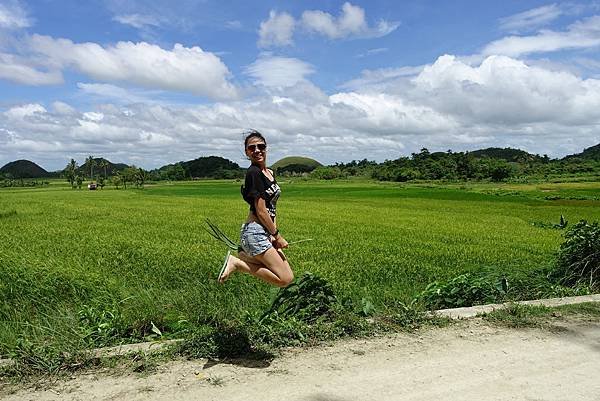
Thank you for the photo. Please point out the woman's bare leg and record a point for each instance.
(271, 266)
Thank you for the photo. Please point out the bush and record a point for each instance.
(307, 299)
(578, 261)
(463, 290)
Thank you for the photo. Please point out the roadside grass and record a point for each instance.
(522, 316)
(84, 269)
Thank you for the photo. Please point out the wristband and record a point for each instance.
(275, 234)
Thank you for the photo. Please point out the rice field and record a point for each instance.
(146, 252)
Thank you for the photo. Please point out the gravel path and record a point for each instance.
(468, 361)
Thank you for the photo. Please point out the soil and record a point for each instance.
(471, 360)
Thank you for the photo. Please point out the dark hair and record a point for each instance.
(253, 134)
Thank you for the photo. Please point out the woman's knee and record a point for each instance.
(286, 278)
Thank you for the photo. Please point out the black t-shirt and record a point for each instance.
(257, 185)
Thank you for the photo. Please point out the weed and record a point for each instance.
(307, 299)
(579, 255)
(215, 380)
(463, 290)
(100, 327)
(518, 316)
(8, 213)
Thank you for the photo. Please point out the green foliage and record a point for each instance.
(306, 299)
(295, 164)
(327, 173)
(202, 167)
(376, 243)
(23, 169)
(100, 327)
(517, 316)
(561, 225)
(463, 290)
(578, 260)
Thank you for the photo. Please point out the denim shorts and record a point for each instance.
(254, 239)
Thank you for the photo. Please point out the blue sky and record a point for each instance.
(155, 82)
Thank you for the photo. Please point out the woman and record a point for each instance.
(262, 243)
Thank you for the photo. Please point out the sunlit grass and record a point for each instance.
(146, 250)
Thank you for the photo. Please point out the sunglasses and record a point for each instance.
(260, 146)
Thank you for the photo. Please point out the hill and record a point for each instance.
(111, 168)
(591, 153)
(295, 164)
(202, 167)
(24, 169)
(508, 154)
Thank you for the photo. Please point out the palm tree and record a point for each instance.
(103, 164)
(91, 163)
(70, 172)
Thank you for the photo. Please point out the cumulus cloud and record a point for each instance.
(505, 91)
(277, 30)
(182, 69)
(579, 35)
(138, 21)
(531, 19)
(500, 101)
(19, 70)
(283, 72)
(13, 15)
(350, 23)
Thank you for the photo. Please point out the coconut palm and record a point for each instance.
(91, 163)
(70, 172)
(103, 164)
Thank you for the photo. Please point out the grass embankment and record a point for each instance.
(90, 268)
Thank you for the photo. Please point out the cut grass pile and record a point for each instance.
(87, 268)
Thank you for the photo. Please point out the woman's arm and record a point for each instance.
(265, 220)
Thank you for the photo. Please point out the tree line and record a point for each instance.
(457, 166)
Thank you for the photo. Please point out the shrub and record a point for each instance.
(307, 299)
(463, 290)
(578, 259)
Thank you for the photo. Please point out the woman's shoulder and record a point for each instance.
(253, 169)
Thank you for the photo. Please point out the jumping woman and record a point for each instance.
(261, 242)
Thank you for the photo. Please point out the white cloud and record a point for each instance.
(350, 23)
(13, 15)
(183, 69)
(579, 35)
(499, 101)
(16, 69)
(24, 111)
(63, 108)
(117, 94)
(138, 21)
(234, 24)
(505, 91)
(372, 52)
(277, 30)
(531, 19)
(279, 71)
(382, 78)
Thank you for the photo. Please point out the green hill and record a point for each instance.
(591, 153)
(508, 154)
(23, 169)
(205, 167)
(111, 168)
(295, 164)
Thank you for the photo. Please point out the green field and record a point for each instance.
(145, 252)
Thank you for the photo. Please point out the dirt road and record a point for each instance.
(469, 361)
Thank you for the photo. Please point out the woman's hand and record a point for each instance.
(279, 242)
